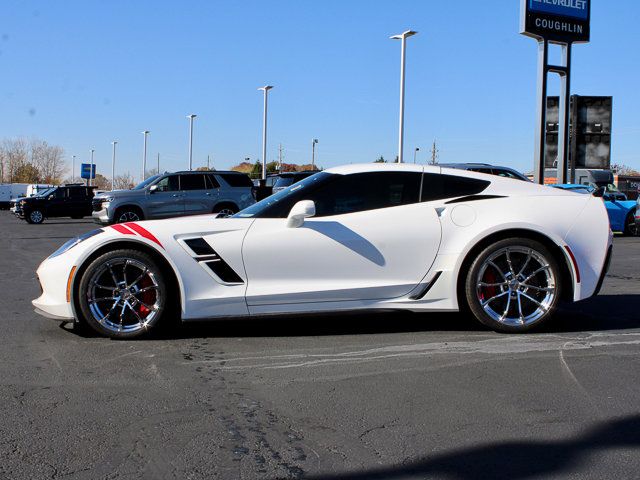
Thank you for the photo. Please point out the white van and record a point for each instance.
(11, 190)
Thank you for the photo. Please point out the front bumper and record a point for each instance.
(101, 217)
(52, 303)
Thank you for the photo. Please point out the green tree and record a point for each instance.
(380, 160)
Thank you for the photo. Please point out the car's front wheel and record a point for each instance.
(514, 285)
(123, 294)
(630, 227)
(35, 216)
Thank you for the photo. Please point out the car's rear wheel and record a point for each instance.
(225, 209)
(630, 227)
(514, 285)
(123, 294)
(35, 216)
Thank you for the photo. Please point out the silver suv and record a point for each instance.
(174, 195)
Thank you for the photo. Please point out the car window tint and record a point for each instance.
(211, 181)
(61, 193)
(77, 193)
(168, 184)
(366, 191)
(237, 179)
(192, 182)
(440, 187)
(505, 173)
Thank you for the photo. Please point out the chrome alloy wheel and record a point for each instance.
(128, 216)
(123, 295)
(225, 212)
(516, 286)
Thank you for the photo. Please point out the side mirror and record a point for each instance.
(300, 211)
(599, 192)
(50, 197)
(153, 188)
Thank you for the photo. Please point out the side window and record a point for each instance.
(237, 179)
(504, 173)
(366, 191)
(168, 184)
(192, 182)
(77, 193)
(61, 193)
(440, 187)
(211, 181)
(482, 170)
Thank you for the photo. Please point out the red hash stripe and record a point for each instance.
(122, 229)
(143, 232)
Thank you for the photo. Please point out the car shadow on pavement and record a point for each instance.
(601, 313)
(513, 460)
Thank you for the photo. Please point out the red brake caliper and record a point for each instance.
(488, 292)
(148, 297)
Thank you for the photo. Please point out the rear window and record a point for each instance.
(236, 179)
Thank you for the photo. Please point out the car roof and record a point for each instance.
(194, 172)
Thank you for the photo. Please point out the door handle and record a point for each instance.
(208, 194)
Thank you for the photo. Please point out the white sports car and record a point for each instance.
(374, 236)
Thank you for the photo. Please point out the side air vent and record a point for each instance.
(199, 246)
(223, 271)
(207, 256)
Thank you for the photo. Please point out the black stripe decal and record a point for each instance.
(474, 198)
(208, 257)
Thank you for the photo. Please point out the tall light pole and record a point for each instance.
(113, 165)
(191, 117)
(313, 153)
(91, 171)
(265, 89)
(403, 36)
(144, 155)
(73, 169)
(158, 163)
(415, 152)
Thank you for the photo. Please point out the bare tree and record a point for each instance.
(123, 182)
(31, 162)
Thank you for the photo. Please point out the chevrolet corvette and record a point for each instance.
(357, 237)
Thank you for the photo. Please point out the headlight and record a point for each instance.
(69, 244)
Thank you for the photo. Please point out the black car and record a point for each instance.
(72, 200)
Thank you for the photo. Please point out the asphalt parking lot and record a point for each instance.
(390, 396)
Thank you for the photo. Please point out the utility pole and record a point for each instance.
(73, 169)
(113, 165)
(434, 153)
(208, 163)
(158, 162)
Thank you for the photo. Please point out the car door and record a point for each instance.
(76, 203)
(56, 204)
(617, 212)
(370, 239)
(194, 192)
(166, 199)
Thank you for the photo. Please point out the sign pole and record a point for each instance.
(541, 115)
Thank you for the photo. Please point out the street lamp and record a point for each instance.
(91, 170)
(113, 165)
(265, 89)
(73, 169)
(144, 155)
(191, 117)
(403, 36)
(313, 153)
(415, 152)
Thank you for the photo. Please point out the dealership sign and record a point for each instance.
(563, 21)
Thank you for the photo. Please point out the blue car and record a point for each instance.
(620, 210)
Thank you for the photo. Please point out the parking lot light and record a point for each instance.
(91, 170)
(265, 89)
(403, 36)
(191, 117)
(313, 153)
(113, 165)
(144, 155)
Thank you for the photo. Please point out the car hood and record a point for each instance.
(622, 203)
(121, 194)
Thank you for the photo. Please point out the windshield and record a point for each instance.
(147, 182)
(46, 192)
(297, 191)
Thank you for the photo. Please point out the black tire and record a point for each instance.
(35, 216)
(128, 214)
(630, 227)
(226, 208)
(503, 291)
(138, 316)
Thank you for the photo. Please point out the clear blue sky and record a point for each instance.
(81, 74)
